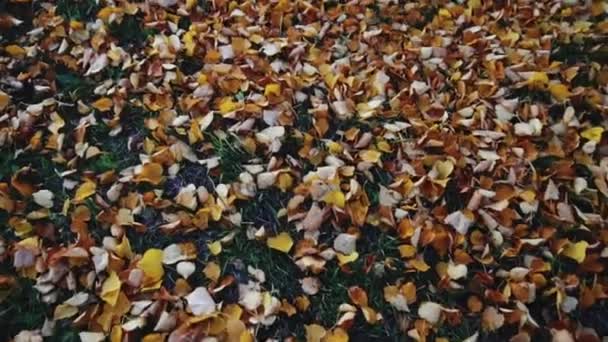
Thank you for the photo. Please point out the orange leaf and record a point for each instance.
(103, 104)
(151, 173)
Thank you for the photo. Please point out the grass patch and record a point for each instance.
(21, 310)
(231, 154)
(582, 51)
(131, 31)
(73, 85)
(76, 9)
(281, 272)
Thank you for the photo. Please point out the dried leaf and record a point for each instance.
(282, 242)
(200, 302)
(576, 251)
(111, 289)
(85, 190)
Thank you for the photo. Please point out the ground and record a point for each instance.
(315, 171)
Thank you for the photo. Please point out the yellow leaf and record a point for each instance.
(151, 173)
(105, 13)
(21, 226)
(576, 251)
(245, 336)
(538, 78)
(285, 182)
(528, 196)
(76, 25)
(189, 43)
(444, 13)
(152, 265)
(123, 249)
(337, 335)
(190, 3)
(111, 289)
(5, 99)
(215, 247)
(63, 311)
(593, 133)
(153, 338)
(444, 169)
(281, 242)
(233, 311)
(346, 259)
(409, 292)
(85, 190)
(116, 334)
(370, 156)
(31, 242)
(336, 198)
(103, 104)
(419, 265)
(407, 251)
(314, 333)
(559, 91)
(15, 51)
(227, 105)
(371, 316)
(474, 4)
(212, 271)
(272, 89)
(384, 146)
(333, 147)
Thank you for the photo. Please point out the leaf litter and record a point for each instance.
(304, 170)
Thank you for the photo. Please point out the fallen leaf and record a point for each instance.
(314, 333)
(559, 91)
(336, 198)
(212, 271)
(576, 251)
(15, 51)
(85, 190)
(200, 302)
(282, 242)
(5, 99)
(152, 266)
(111, 289)
(215, 247)
(151, 173)
(430, 311)
(63, 311)
(185, 269)
(272, 89)
(346, 259)
(103, 104)
(89, 336)
(594, 134)
(43, 198)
